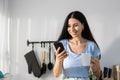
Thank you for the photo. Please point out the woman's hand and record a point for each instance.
(95, 66)
(60, 56)
(58, 63)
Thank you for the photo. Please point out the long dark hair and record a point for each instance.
(86, 33)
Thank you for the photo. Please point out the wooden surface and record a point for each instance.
(108, 79)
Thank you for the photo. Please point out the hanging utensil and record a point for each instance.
(43, 61)
(50, 64)
(44, 64)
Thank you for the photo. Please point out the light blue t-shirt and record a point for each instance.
(72, 64)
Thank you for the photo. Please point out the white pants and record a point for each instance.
(76, 79)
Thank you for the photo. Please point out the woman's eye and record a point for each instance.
(68, 26)
(75, 25)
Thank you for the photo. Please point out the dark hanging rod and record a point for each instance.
(37, 42)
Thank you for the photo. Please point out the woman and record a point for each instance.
(77, 40)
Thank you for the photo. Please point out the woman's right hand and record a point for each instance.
(60, 56)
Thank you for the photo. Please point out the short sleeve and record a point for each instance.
(95, 50)
(64, 42)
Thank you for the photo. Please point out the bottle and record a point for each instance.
(116, 72)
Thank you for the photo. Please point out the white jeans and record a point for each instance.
(76, 79)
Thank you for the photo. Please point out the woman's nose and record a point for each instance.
(73, 29)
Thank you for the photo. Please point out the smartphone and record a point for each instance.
(59, 44)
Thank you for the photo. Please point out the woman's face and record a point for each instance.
(75, 27)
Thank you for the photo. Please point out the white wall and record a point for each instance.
(42, 20)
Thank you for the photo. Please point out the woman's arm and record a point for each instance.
(58, 63)
(57, 68)
(95, 65)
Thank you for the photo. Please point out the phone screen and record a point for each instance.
(59, 44)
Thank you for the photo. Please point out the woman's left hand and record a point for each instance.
(95, 66)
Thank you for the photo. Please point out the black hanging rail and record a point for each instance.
(37, 42)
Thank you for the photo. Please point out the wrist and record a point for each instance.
(97, 73)
(95, 70)
(59, 61)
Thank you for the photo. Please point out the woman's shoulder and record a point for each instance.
(91, 43)
(93, 48)
(63, 40)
